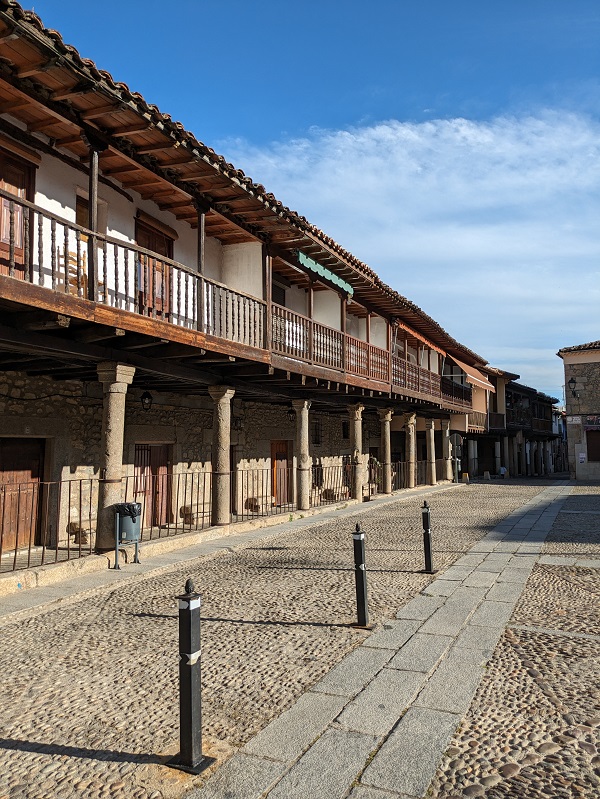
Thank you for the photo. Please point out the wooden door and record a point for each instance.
(154, 275)
(281, 462)
(152, 483)
(21, 467)
(16, 177)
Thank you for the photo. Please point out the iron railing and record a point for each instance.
(330, 484)
(171, 503)
(262, 492)
(399, 475)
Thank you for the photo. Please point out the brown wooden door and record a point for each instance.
(280, 472)
(16, 177)
(154, 275)
(152, 483)
(21, 466)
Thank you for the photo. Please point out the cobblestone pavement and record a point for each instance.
(533, 729)
(89, 693)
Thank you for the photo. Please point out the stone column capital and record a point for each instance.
(112, 372)
(219, 393)
(385, 414)
(410, 419)
(429, 424)
(300, 404)
(445, 423)
(355, 411)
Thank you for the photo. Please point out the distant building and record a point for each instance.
(582, 395)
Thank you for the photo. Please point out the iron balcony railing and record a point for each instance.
(41, 248)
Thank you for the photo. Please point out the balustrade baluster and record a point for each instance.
(66, 257)
(41, 249)
(104, 274)
(53, 251)
(11, 239)
(26, 254)
(78, 260)
(125, 301)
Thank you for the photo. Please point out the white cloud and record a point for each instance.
(491, 227)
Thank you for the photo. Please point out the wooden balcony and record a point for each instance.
(477, 421)
(519, 417)
(41, 248)
(541, 425)
(496, 421)
(75, 265)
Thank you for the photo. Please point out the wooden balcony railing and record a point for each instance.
(41, 248)
(518, 417)
(478, 419)
(542, 425)
(299, 337)
(496, 421)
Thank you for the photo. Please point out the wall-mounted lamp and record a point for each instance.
(291, 415)
(146, 400)
(572, 385)
(237, 424)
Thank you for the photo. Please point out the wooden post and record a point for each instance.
(92, 224)
(200, 295)
(267, 269)
(311, 308)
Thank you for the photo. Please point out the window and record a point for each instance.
(345, 430)
(316, 431)
(278, 294)
(16, 177)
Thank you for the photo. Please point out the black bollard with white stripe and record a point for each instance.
(426, 515)
(360, 575)
(190, 757)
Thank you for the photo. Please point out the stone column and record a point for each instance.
(356, 442)
(115, 377)
(472, 453)
(446, 450)
(506, 455)
(514, 452)
(524, 458)
(497, 457)
(385, 417)
(539, 457)
(430, 441)
(221, 462)
(304, 470)
(548, 457)
(410, 426)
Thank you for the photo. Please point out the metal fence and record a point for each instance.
(46, 522)
(262, 492)
(399, 475)
(330, 484)
(421, 473)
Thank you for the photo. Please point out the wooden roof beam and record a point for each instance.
(109, 108)
(129, 130)
(35, 69)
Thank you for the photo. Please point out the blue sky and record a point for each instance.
(453, 146)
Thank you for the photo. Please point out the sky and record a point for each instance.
(452, 146)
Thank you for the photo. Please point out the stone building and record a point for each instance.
(582, 399)
(172, 334)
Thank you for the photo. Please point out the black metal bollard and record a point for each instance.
(426, 515)
(360, 575)
(190, 757)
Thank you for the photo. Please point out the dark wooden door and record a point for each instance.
(280, 472)
(154, 275)
(152, 483)
(21, 467)
(16, 178)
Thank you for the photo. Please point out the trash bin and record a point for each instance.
(129, 521)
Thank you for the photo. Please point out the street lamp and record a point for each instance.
(572, 384)
(146, 400)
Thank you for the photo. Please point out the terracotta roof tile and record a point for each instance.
(593, 345)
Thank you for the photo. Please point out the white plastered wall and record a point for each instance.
(327, 308)
(379, 332)
(242, 268)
